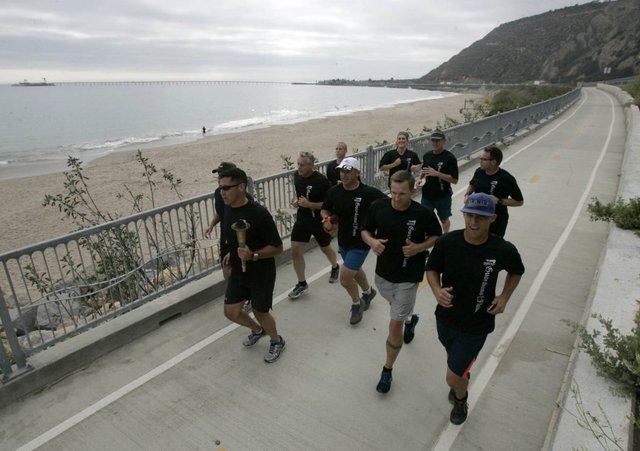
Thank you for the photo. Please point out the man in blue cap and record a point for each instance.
(462, 271)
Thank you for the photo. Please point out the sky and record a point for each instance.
(253, 40)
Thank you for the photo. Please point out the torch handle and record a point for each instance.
(242, 260)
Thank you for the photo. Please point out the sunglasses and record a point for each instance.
(228, 187)
(346, 169)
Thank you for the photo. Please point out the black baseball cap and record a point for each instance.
(224, 166)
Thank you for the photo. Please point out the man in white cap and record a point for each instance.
(347, 204)
(462, 271)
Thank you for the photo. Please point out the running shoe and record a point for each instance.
(335, 274)
(409, 329)
(298, 290)
(367, 298)
(385, 382)
(275, 349)
(253, 338)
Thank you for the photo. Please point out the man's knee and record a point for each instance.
(232, 311)
(297, 250)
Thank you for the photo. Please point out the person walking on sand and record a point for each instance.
(253, 273)
(346, 204)
(399, 231)
(311, 187)
(333, 173)
(462, 272)
(400, 158)
(439, 172)
(503, 188)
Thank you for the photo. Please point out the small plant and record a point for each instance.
(634, 90)
(602, 430)
(614, 355)
(287, 164)
(449, 122)
(625, 215)
(120, 270)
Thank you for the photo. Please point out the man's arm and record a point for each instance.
(444, 296)
(500, 302)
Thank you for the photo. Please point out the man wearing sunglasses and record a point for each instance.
(439, 172)
(219, 208)
(253, 266)
(491, 179)
(346, 204)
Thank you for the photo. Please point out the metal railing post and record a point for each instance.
(14, 345)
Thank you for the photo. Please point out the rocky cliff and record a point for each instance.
(587, 42)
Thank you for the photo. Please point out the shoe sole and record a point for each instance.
(290, 296)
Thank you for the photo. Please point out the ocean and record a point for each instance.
(39, 125)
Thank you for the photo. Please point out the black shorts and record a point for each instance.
(240, 289)
(302, 232)
(462, 347)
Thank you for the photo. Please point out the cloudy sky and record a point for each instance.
(271, 40)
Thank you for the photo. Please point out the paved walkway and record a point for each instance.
(192, 385)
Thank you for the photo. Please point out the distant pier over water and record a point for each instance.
(169, 82)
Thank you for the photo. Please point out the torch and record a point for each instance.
(240, 227)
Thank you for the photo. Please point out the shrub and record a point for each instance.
(625, 215)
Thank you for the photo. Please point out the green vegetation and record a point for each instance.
(122, 272)
(613, 354)
(634, 89)
(625, 215)
(517, 97)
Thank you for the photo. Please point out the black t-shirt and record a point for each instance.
(445, 162)
(351, 208)
(416, 224)
(472, 271)
(333, 173)
(262, 232)
(408, 159)
(313, 188)
(501, 184)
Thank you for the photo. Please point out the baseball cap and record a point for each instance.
(437, 134)
(224, 166)
(349, 164)
(479, 204)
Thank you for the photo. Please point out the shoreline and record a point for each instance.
(25, 221)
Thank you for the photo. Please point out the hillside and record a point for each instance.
(565, 45)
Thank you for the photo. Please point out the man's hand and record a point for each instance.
(444, 296)
(378, 245)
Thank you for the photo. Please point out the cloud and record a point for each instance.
(252, 40)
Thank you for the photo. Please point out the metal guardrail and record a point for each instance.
(58, 288)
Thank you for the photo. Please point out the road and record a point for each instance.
(192, 385)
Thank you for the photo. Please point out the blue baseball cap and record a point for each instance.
(479, 204)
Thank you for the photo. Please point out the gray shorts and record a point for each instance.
(400, 296)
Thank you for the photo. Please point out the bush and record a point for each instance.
(625, 215)
(614, 355)
(634, 89)
(517, 97)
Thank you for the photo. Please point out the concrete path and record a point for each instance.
(192, 385)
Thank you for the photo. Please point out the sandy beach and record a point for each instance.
(25, 221)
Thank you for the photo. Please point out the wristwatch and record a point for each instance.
(256, 256)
